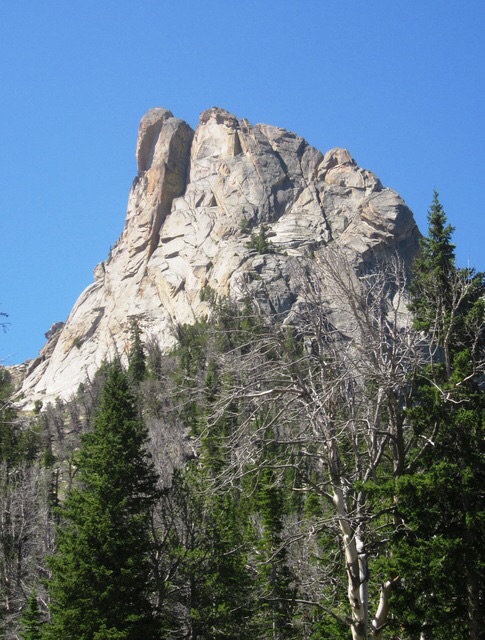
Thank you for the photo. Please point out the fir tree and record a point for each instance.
(440, 504)
(432, 271)
(207, 593)
(431, 287)
(136, 357)
(259, 242)
(30, 621)
(101, 579)
(274, 575)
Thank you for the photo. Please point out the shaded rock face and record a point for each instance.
(192, 207)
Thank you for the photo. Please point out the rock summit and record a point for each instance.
(196, 206)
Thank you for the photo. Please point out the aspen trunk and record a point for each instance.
(356, 566)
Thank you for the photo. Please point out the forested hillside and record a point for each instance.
(276, 475)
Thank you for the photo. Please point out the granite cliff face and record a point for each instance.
(192, 207)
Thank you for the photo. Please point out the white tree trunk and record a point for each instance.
(356, 565)
(379, 620)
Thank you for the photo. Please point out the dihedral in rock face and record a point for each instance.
(195, 199)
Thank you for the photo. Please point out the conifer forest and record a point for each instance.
(270, 477)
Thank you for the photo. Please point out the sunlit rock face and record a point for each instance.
(196, 200)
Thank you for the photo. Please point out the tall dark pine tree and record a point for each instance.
(433, 273)
(136, 357)
(275, 580)
(101, 580)
(31, 624)
(440, 547)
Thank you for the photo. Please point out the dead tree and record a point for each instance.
(328, 385)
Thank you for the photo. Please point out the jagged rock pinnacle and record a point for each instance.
(196, 198)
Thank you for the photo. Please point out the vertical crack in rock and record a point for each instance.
(148, 134)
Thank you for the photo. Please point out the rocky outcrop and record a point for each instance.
(193, 206)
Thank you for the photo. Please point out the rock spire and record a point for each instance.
(192, 207)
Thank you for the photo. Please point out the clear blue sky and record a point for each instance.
(400, 84)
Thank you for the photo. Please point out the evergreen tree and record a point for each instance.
(207, 593)
(188, 375)
(438, 550)
(101, 578)
(136, 357)
(222, 606)
(31, 624)
(17, 442)
(274, 575)
(203, 525)
(259, 242)
(433, 271)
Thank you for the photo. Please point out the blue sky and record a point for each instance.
(400, 84)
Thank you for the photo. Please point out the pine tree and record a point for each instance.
(17, 443)
(259, 242)
(207, 593)
(101, 578)
(432, 271)
(136, 357)
(440, 504)
(274, 576)
(31, 624)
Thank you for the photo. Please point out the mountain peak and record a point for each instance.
(195, 208)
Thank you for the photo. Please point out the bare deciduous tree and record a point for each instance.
(26, 534)
(328, 386)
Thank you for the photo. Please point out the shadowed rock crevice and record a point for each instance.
(148, 134)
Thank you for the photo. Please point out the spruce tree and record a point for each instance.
(30, 621)
(432, 282)
(101, 578)
(439, 548)
(136, 357)
(433, 270)
(276, 594)
(207, 592)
